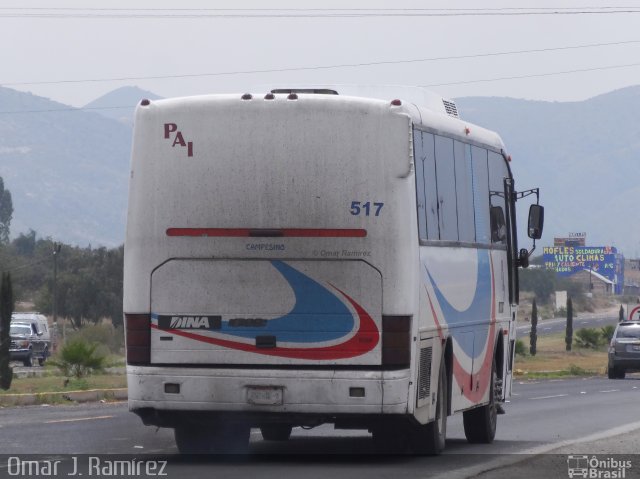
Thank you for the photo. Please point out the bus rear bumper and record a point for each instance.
(264, 393)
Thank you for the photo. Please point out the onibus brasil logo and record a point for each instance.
(596, 468)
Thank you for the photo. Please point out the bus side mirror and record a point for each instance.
(536, 221)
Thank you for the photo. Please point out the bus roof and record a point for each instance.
(428, 111)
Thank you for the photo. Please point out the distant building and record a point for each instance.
(594, 282)
(574, 239)
(632, 277)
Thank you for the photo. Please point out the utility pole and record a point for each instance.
(568, 339)
(56, 252)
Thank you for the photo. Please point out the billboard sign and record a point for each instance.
(568, 260)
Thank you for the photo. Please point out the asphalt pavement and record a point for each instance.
(612, 454)
(614, 450)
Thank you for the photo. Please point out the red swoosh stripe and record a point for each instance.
(365, 339)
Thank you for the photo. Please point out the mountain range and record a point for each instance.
(584, 156)
(67, 168)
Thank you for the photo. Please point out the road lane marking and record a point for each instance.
(550, 397)
(506, 460)
(55, 421)
(611, 391)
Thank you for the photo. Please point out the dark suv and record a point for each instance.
(30, 338)
(624, 350)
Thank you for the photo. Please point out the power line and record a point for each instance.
(66, 109)
(205, 13)
(294, 16)
(463, 82)
(533, 75)
(17, 269)
(324, 67)
(599, 7)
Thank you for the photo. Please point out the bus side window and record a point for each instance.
(498, 171)
(481, 194)
(447, 204)
(464, 192)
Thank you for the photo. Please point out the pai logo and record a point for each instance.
(171, 132)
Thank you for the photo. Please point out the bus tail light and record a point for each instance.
(138, 336)
(396, 341)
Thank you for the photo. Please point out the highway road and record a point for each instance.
(539, 414)
(559, 325)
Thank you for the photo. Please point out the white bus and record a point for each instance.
(301, 257)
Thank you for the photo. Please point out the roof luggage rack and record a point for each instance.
(316, 91)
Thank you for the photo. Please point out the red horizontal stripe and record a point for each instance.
(269, 232)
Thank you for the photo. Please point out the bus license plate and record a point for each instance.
(264, 396)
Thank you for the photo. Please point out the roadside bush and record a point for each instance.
(607, 332)
(6, 308)
(79, 358)
(520, 348)
(573, 289)
(578, 371)
(629, 298)
(109, 338)
(561, 313)
(589, 338)
(541, 282)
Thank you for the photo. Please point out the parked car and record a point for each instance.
(624, 350)
(30, 338)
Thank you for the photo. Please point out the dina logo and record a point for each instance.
(189, 322)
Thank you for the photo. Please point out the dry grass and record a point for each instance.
(57, 384)
(553, 359)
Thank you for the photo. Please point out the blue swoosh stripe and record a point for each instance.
(317, 316)
(480, 308)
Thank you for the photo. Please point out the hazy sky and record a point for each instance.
(56, 42)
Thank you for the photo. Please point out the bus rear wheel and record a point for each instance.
(217, 438)
(429, 439)
(390, 438)
(480, 423)
(276, 432)
(190, 440)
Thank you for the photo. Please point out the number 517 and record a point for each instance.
(366, 209)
